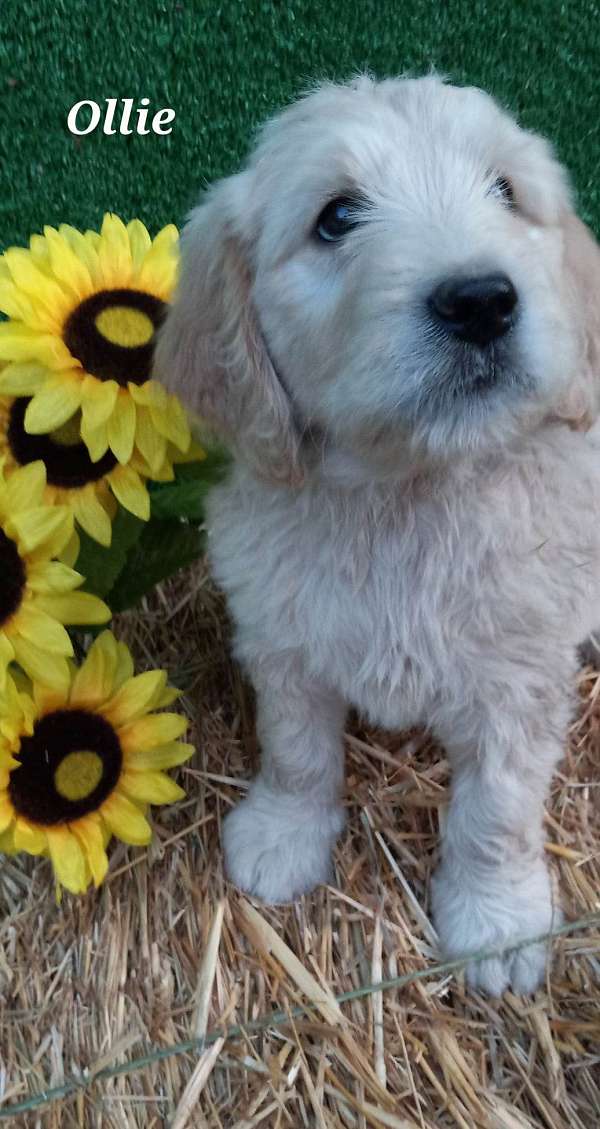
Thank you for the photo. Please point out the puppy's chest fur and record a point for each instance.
(392, 594)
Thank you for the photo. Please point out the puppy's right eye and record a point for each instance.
(338, 217)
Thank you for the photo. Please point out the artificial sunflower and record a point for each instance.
(38, 593)
(82, 764)
(88, 489)
(83, 310)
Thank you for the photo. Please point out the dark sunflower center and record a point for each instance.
(112, 334)
(67, 464)
(69, 766)
(12, 571)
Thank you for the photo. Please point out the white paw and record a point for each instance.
(472, 913)
(278, 846)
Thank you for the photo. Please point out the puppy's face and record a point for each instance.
(408, 265)
(398, 267)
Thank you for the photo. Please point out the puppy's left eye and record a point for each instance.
(338, 217)
(503, 188)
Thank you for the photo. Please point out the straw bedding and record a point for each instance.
(166, 950)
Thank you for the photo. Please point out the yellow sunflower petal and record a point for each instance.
(53, 405)
(166, 412)
(50, 670)
(92, 516)
(163, 756)
(36, 626)
(25, 488)
(24, 269)
(169, 695)
(94, 239)
(11, 734)
(83, 249)
(55, 545)
(70, 552)
(29, 837)
(16, 685)
(67, 858)
(89, 832)
(7, 811)
(22, 379)
(13, 302)
(20, 343)
(124, 669)
(78, 609)
(27, 704)
(136, 697)
(98, 399)
(47, 698)
(150, 394)
(166, 238)
(35, 318)
(151, 443)
(52, 576)
(37, 526)
(195, 453)
(139, 242)
(152, 730)
(39, 252)
(45, 291)
(130, 491)
(94, 681)
(95, 439)
(108, 500)
(7, 762)
(125, 820)
(151, 787)
(121, 427)
(158, 272)
(176, 424)
(67, 267)
(7, 655)
(114, 252)
(7, 846)
(163, 473)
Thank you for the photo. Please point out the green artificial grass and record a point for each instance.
(223, 67)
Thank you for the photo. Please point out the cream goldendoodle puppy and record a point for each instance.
(392, 315)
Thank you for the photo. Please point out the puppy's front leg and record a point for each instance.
(278, 841)
(492, 887)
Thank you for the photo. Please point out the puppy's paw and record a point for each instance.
(278, 846)
(473, 914)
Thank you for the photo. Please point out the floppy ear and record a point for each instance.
(210, 350)
(581, 405)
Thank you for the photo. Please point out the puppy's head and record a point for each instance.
(398, 269)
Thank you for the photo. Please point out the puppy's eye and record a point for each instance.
(503, 188)
(338, 217)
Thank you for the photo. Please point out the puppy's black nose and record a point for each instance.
(475, 309)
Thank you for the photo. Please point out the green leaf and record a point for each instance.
(163, 548)
(101, 566)
(143, 554)
(185, 497)
(179, 499)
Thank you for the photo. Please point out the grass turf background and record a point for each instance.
(223, 67)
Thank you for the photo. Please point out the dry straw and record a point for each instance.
(333, 1013)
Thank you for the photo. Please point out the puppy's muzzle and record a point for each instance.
(477, 310)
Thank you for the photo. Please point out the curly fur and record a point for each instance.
(412, 525)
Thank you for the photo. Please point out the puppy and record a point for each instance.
(392, 316)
